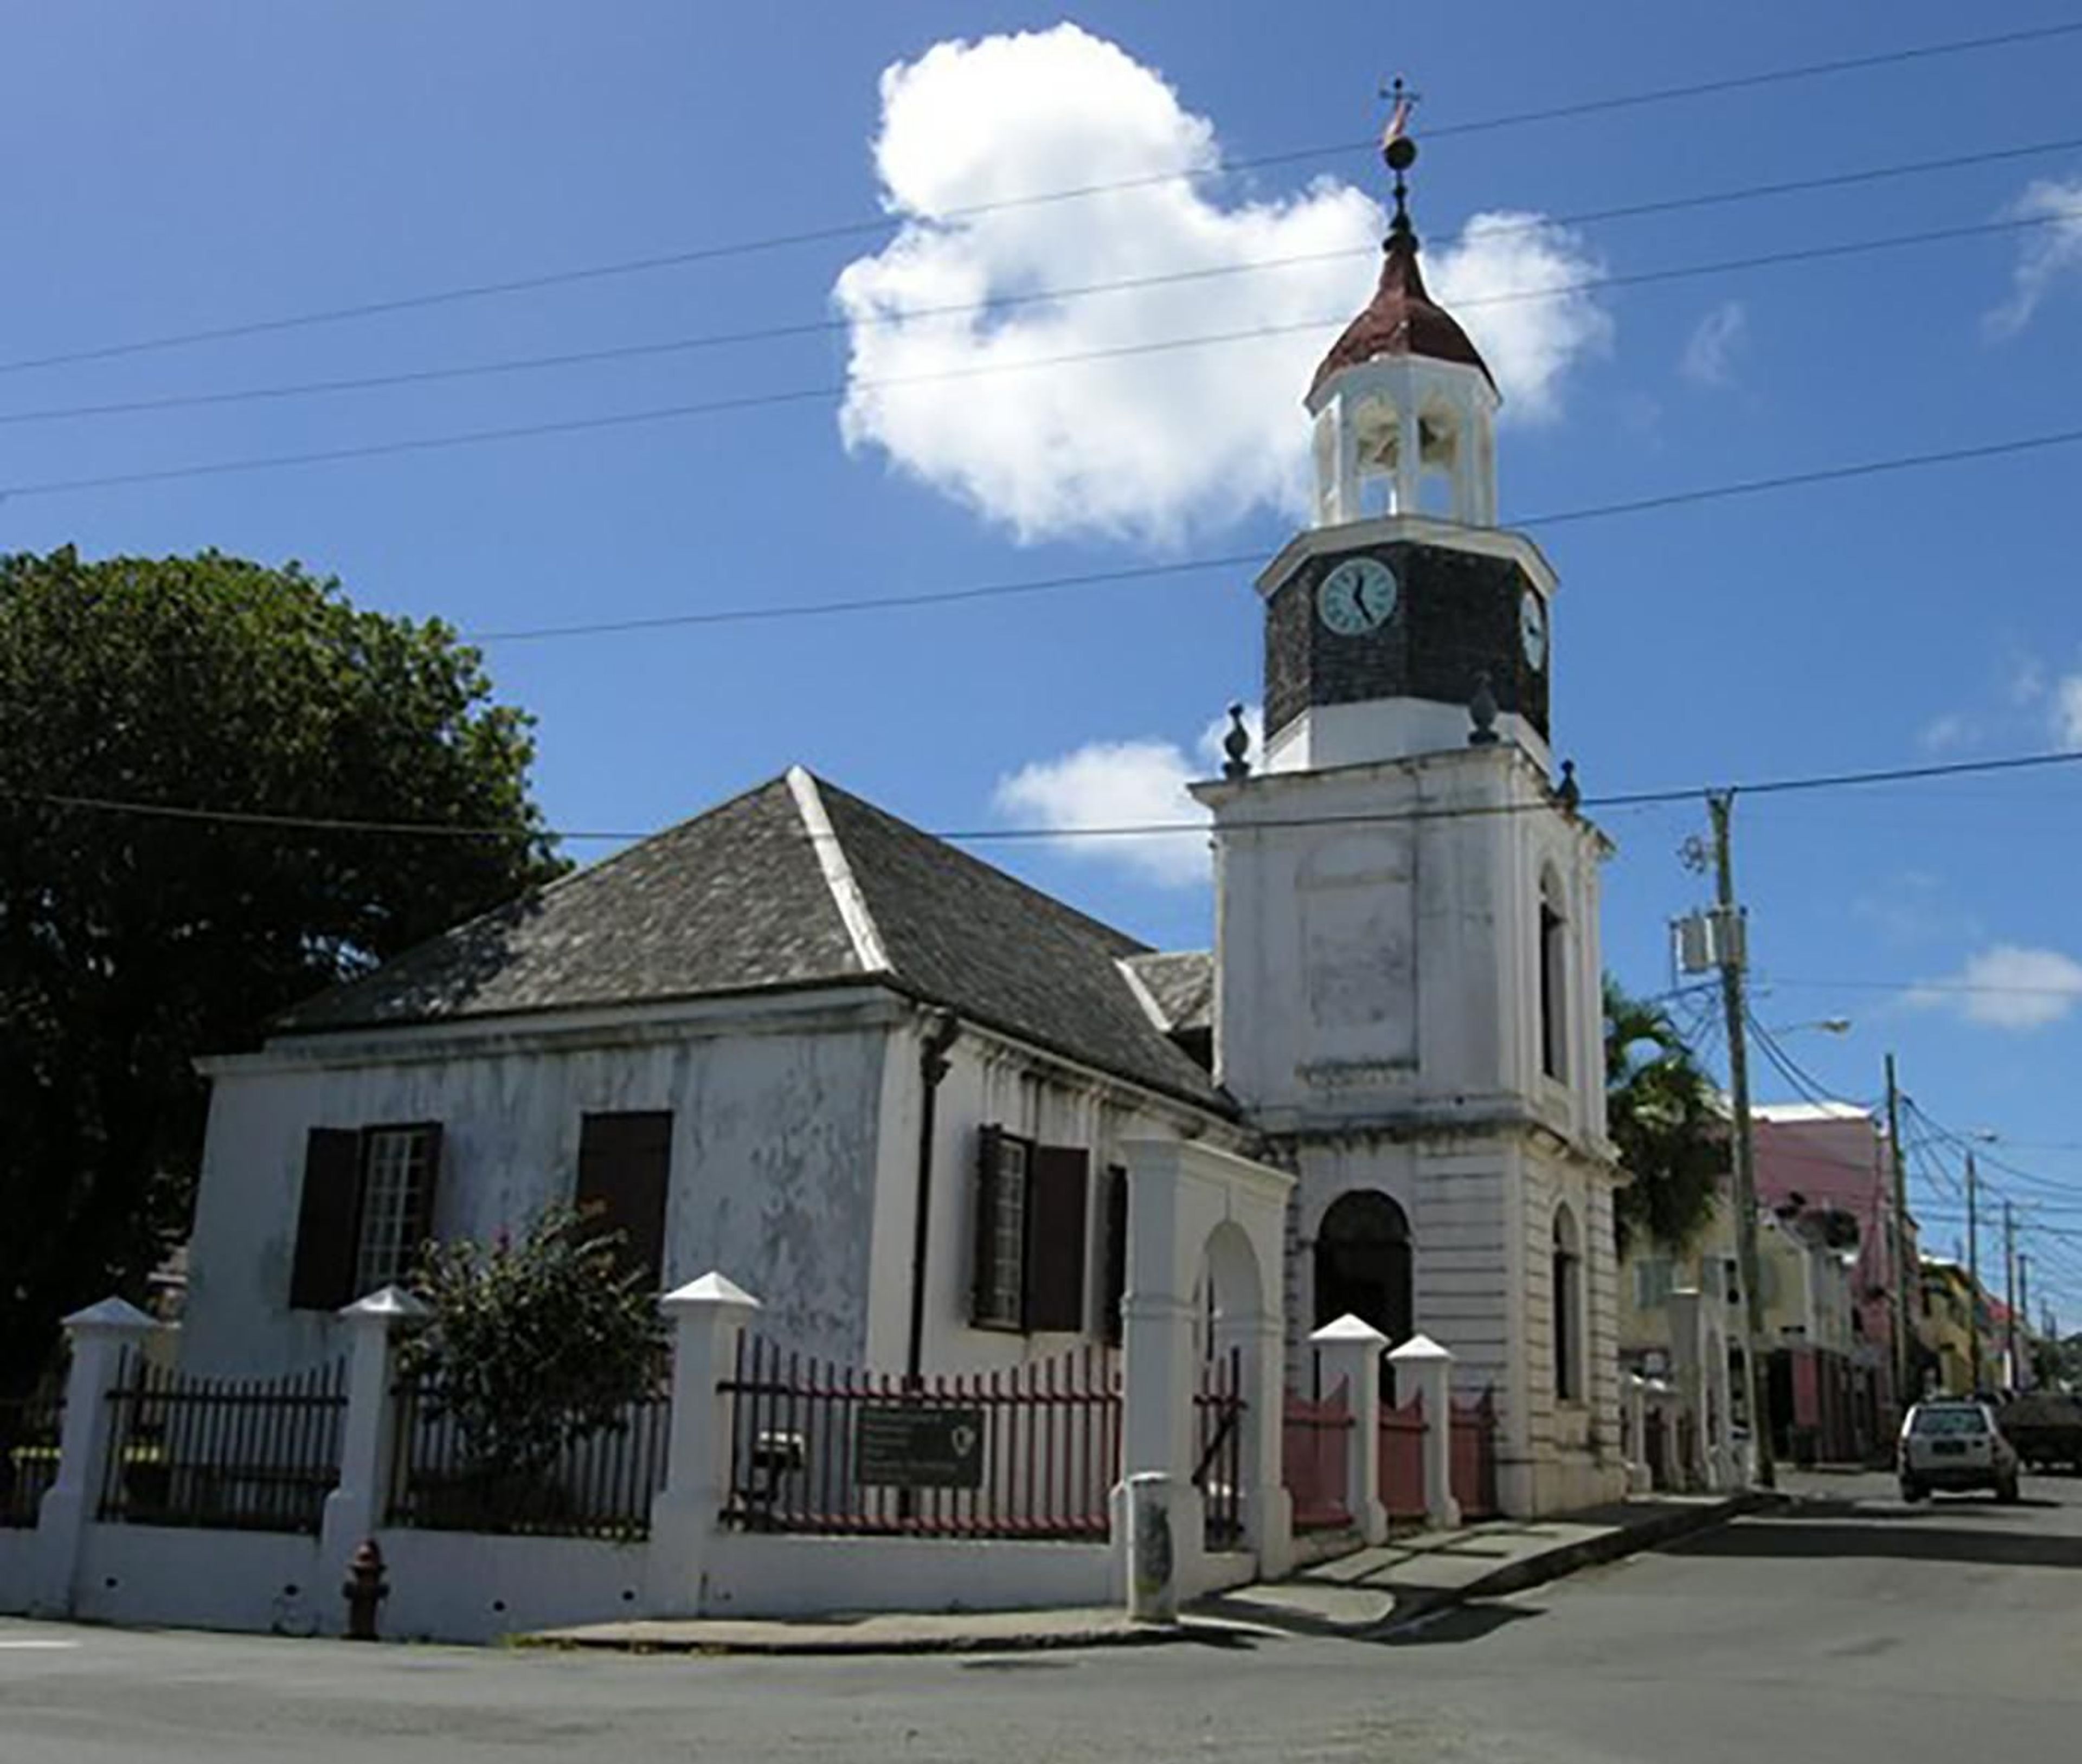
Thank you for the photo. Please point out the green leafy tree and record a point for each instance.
(536, 1342)
(1661, 1112)
(131, 942)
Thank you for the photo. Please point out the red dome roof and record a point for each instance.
(1401, 319)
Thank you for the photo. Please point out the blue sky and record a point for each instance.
(163, 170)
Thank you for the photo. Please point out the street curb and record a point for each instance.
(1123, 1635)
(1609, 1546)
(1612, 1546)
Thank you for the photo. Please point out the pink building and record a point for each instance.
(1828, 1164)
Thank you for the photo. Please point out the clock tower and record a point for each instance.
(1408, 980)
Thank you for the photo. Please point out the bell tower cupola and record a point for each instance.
(1404, 405)
(1402, 620)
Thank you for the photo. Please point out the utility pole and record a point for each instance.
(1973, 1280)
(1904, 1361)
(1720, 805)
(2024, 1309)
(2009, 1294)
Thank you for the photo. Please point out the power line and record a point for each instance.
(1965, 988)
(1001, 835)
(1058, 295)
(885, 223)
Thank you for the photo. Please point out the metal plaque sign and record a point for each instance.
(910, 1446)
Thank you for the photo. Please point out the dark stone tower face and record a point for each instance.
(1454, 616)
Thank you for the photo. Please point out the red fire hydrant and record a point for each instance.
(364, 1590)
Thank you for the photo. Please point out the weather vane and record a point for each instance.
(1396, 148)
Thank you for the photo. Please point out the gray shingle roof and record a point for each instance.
(739, 899)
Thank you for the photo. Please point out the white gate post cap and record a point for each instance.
(111, 1315)
(1349, 1328)
(711, 1289)
(1420, 1350)
(388, 1304)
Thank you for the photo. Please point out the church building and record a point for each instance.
(884, 1085)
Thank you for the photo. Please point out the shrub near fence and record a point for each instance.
(252, 1455)
(600, 1485)
(29, 1429)
(1029, 1452)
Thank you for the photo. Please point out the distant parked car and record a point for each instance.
(1953, 1445)
(2045, 1427)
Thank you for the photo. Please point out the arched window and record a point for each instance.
(1568, 1308)
(1363, 1264)
(1554, 979)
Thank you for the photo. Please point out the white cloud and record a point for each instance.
(2067, 706)
(2009, 985)
(1709, 357)
(1529, 344)
(1949, 733)
(1146, 445)
(2047, 253)
(1106, 783)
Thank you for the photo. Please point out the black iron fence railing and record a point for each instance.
(255, 1454)
(598, 1483)
(29, 1429)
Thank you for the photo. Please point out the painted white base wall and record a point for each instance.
(797, 1576)
(257, 1582)
(456, 1586)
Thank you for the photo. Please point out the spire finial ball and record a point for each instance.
(1401, 153)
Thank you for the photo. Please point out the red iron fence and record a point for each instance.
(1314, 1453)
(29, 1429)
(1029, 1452)
(599, 1485)
(1402, 1458)
(1218, 1414)
(1474, 1457)
(255, 1454)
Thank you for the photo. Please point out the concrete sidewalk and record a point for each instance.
(1371, 1592)
(1366, 1592)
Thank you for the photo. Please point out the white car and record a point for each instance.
(1953, 1446)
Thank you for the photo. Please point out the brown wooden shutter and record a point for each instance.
(989, 1140)
(624, 1169)
(1057, 1178)
(328, 1221)
(1116, 1254)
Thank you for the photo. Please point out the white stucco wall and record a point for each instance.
(775, 1112)
(993, 1081)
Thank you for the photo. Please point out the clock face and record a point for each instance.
(1358, 596)
(1532, 628)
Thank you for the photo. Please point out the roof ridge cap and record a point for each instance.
(1124, 965)
(866, 936)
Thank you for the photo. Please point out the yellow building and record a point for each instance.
(1944, 1326)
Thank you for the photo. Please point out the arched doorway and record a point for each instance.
(1363, 1264)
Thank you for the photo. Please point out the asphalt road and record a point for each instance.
(1854, 1629)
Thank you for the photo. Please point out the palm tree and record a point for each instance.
(1665, 1122)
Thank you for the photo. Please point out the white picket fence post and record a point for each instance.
(1350, 1348)
(1432, 1366)
(708, 1315)
(100, 1337)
